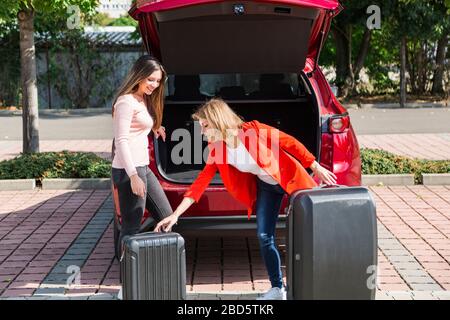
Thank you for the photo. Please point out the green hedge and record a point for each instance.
(63, 164)
(88, 165)
(382, 162)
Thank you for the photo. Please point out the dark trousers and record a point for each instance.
(132, 206)
(268, 203)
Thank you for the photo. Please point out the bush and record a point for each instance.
(376, 161)
(67, 164)
(55, 165)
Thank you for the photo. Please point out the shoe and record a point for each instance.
(119, 294)
(274, 293)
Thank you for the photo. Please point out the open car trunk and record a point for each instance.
(216, 36)
(183, 155)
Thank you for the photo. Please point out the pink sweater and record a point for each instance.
(131, 125)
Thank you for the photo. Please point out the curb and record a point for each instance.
(105, 183)
(387, 179)
(17, 185)
(436, 179)
(62, 184)
(61, 112)
(409, 105)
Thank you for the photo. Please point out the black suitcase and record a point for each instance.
(153, 267)
(331, 244)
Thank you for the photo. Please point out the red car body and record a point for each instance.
(334, 143)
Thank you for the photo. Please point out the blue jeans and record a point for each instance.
(268, 203)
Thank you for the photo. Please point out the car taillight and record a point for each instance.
(338, 124)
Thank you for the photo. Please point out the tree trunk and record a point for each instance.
(412, 67)
(362, 54)
(344, 74)
(420, 59)
(30, 113)
(439, 71)
(363, 50)
(49, 84)
(403, 72)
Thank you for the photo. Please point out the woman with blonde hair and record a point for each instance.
(137, 110)
(258, 165)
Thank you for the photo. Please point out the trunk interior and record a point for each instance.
(297, 116)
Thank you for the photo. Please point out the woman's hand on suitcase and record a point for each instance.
(323, 174)
(138, 186)
(167, 223)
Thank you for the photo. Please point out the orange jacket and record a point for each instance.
(280, 154)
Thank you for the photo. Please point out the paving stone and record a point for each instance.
(387, 242)
(67, 261)
(102, 296)
(249, 296)
(57, 277)
(383, 295)
(89, 236)
(423, 295)
(425, 287)
(396, 252)
(58, 297)
(191, 296)
(414, 273)
(418, 280)
(92, 233)
(442, 295)
(52, 286)
(77, 254)
(393, 246)
(407, 266)
(38, 298)
(405, 258)
(401, 295)
(85, 297)
(81, 243)
(47, 291)
(207, 296)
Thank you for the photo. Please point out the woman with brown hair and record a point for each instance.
(258, 164)
(137, 110)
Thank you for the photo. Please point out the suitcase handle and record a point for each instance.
(326, 186)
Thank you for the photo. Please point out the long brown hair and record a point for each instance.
(219, 114)
(142, 69)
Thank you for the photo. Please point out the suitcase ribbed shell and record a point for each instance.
(153, 267)
(332, 244)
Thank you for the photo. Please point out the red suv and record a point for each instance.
(259, 56)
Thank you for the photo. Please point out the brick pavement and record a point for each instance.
(423, 146)
(44, 232)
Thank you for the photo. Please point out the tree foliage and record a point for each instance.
(424, 23)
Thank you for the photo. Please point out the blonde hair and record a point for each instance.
(219, 116)
(143, 68)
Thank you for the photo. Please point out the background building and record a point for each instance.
(114, 8)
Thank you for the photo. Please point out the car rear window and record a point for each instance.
(233, 86)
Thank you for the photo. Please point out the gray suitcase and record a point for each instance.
(153, 267)
(331, 244)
